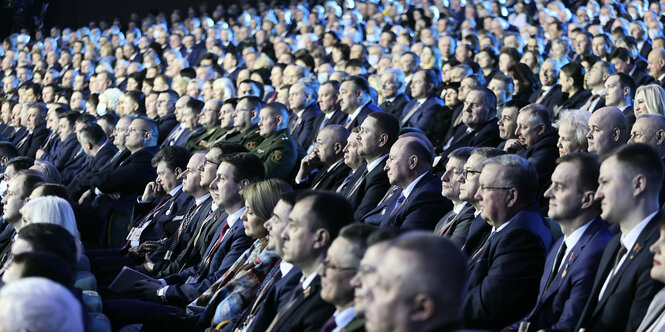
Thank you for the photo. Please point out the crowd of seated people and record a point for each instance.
(337, 166)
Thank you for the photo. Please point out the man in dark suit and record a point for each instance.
(37, 134)
(608, 130)
(121, 185)
(505, 270)
(99, 151)
(356, 101)
(187, 110)
(619, 92)
(638, 30)
(538, 141)
(455, 224)
(302, 102)
(322, 213)
(165, 109)
(377, 134)
(480, 124)
(550, 93)
(331, 113)
(594, 79)
(636, 68)
(656, 65)
(324, 168)
(228, 243)
(392, 90)
(424, 260)
(572, 262)
(623, 289)
(425, 111)
(414, 201)
(340, 266)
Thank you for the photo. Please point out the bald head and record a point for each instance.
(608, 129)
(656, 60)
(649, 129)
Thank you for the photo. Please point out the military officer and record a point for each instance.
(278, 150)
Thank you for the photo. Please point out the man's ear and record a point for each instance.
(321, 238)
(383, 139)
(588, 199)
(513, 196)
(254, 115)
(177, 171)
(423, 308)
(338, 148)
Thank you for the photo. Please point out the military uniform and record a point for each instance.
(279, 153)
(204, 140)
(249, 138)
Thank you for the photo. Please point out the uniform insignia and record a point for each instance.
(260, 151)
(565, 271)
(636, 250)
(277, 156)
(285, 138)
(250, 145)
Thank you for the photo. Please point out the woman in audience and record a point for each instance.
(573, 128)
(649, 99)
(52, 210)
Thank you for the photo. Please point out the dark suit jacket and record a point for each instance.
(232, 246)
(131, 176)
(397, 106)
(77, 162)
(420, 210)
(503, 282)
(338, 117)
(552, 98)
(479, 230)
(459, 226)
(308, 313)
(543, 155)
(325, 180)
(641, 75)
(34, 142)
(560, 306)
(430, 118)
(485, 135)
(629, 112)
(646, 48)
(278, 294)
(165, 123)
(81, 182)
(155, 230)
(65, 151)
(371, 190)
(575, 101)
(302, 133)
(364, 112)
(628, 294)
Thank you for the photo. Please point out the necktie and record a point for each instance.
(448, 222)
(344, 183)
(296, 118)
(357, 184)
(298, 293)
(208, 257)
(330, 325)
(480, 251)
(557, 263)
(388, 194)
(408, 116)
(23, 140)
(348, 121)
(183, 225)
(398, 205)
(622, 251)
(148, 217)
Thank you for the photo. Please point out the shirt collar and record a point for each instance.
(421, 101)
(201, 199)
(547, 88)
(572, 240)
(371, 166)
(628, 240)
(457, 209)
(175, 190)
(285, 267)
(306, 281)
(345, 317)
(494, 229)
(412, 185)
(235, 216)
(335, 164)
(357, 111)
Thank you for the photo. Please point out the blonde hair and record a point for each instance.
(261, 197)
(654, 98)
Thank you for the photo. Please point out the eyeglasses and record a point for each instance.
(455, 171)
(242, 110)
(483, 188)
(328, 266)
(465, 173)
(207, 161)
(131, 130)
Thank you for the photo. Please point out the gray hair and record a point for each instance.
(399, 77)
(53, 210)
(57, 309)
(518, 173)
(579, 121)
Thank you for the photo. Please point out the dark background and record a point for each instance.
(77, 13)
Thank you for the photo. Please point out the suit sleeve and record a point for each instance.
(130, 178)
(510, 287)
(375, 191)
(461, 231)
(425, 211)
(645, 289)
